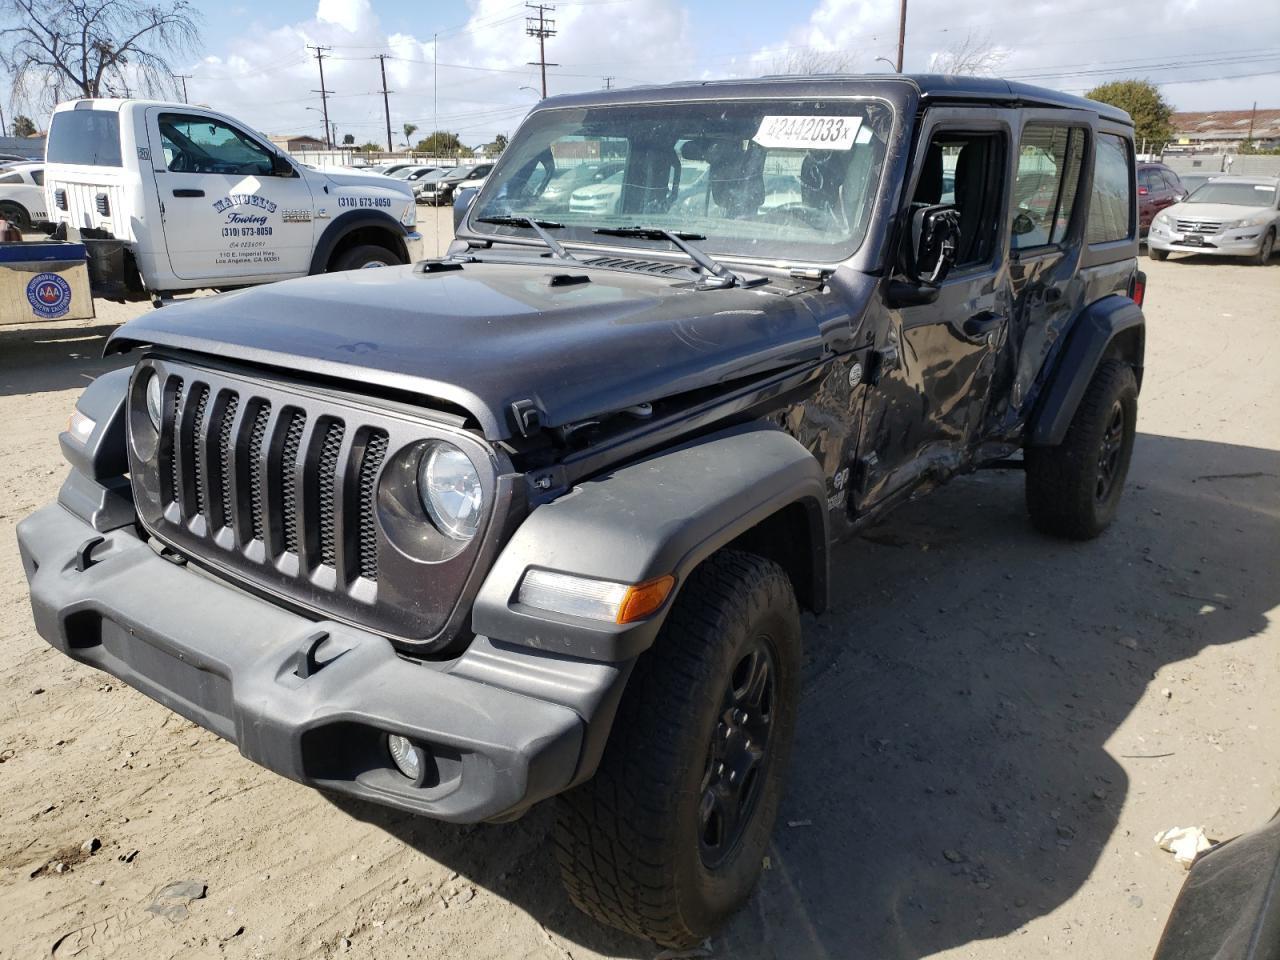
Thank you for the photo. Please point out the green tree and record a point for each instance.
(23, 127)
(348, 139)
(499, 144)
(443, 143)
(1152, 114)
(371, 147)
(409, 130)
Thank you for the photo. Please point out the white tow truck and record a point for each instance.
(169, 198)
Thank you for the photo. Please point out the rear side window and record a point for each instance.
(1111, 205)
(38, 177)
(88, 138)
(1044, 190)
(11, 178)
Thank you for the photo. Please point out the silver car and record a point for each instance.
(1230, 216)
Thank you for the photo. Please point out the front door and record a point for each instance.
(934, 371)
(231, 211)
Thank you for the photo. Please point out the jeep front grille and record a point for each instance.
(284, 487)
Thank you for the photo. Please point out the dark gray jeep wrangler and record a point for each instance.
(538, 519)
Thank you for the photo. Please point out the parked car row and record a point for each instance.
(1226, 217)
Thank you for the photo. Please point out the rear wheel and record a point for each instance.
(16, 214)
(364, 257)
(668, 838)
(1073, 489)
(1261, 258)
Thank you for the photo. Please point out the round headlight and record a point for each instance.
(153, 400)
(449, 486)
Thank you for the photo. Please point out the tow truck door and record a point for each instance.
(233, 209)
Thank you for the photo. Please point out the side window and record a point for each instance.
(11, 178)
(37, 177)
(1148, 183)
(1110, 206)
(1171, 181)
(964, 170)
(204, 145)
(1044, 189)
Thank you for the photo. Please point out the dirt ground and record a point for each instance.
(994, 726)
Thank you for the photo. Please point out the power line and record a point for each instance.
(324, 94)
(386, 104)
(541, 28)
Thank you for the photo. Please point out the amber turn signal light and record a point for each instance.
(643, 599)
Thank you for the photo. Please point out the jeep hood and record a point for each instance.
(489, 334)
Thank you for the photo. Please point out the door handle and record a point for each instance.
(980, 326)
(187, 192)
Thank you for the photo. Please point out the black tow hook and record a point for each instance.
(84, 553)
(306, 663)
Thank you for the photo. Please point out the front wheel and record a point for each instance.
(1073, 489)
(365, 256)
(668, 838)
(1267, 248)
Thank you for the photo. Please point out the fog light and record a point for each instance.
(408, 759)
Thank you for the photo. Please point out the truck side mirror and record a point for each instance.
(280, 167)
(461, 203)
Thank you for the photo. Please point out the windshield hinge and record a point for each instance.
(809, 273)
(527, 416)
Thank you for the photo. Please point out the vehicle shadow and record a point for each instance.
(40, 359)
(952, 777)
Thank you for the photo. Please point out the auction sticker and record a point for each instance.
(808, 133)
(49, 295)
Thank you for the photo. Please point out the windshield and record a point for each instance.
(1239, 194)
(776, 179)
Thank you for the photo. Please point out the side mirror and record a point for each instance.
(280, 167)
(461, 203)
(934, 240)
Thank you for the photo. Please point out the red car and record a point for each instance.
(1158, 187)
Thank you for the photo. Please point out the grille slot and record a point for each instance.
(195, 444)
(257, 484)
(171, 494)
(367, 543)
(289, 480)
(327, 478)
(224, 476)
(639, 266)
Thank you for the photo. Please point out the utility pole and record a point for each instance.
(184, 77)
(324, 94)
(4, 131)
(386, 105)
(542, 28)
(435, 76)
(1252, 116)
(902, 32)
(608, 82)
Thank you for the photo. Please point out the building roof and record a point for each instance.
(1227, 124)
(295, 136)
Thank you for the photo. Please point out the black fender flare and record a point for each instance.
(661, 515)
(1112, 326)
(344, 224)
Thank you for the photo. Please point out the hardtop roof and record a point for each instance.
(891, 86)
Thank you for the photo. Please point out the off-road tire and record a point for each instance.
(1265, 249)
(1064, 483)
(365, 255)
(16, 214)
(630, 841)
(1155, 254)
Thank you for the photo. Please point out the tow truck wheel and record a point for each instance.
(15, 214)
(365, 256)
(669, 837)
(1073, 489)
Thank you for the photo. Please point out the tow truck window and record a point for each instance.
(1044, 189)
(203, 145)
(1110, 216)
(88, 138)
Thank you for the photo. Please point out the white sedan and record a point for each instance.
(22, 200)
(1228, 216)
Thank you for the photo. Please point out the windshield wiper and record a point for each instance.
(681, 240)
(540, 227)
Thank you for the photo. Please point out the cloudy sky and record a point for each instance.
(256, 65)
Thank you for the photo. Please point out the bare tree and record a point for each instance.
(803, 61)
(59, 49)
(976, 56)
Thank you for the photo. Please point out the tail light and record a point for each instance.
(1138, 288)
(1142, 191)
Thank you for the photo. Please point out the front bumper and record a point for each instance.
(238, 665)
(1239, 242)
